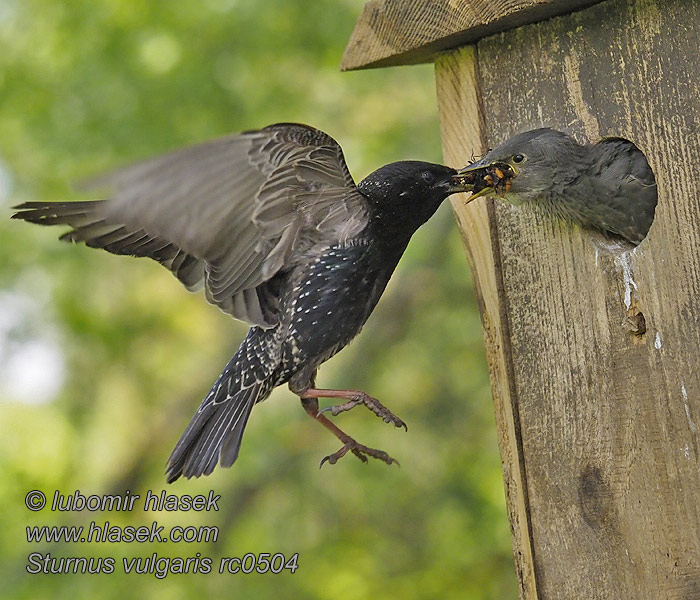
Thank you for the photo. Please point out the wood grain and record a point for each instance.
(391, 32)
(462, 124)
(608, 420)
(599, 418)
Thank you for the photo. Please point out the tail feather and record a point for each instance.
(225, 426)
(215, 431)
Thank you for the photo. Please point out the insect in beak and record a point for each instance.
(487, 178)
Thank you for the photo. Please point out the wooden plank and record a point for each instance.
(608, 420)
(399, 32)
(462, 127)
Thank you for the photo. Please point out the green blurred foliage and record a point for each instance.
(86, 86)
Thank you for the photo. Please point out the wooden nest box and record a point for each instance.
(594, 350)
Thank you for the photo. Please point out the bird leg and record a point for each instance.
(354, 398)
(310, 404)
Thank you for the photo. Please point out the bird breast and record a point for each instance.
(329, 300)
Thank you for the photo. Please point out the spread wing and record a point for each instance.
(229, 214)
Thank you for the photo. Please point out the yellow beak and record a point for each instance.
(484, 192)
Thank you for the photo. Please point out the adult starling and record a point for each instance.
(272, 225)
(608, 186)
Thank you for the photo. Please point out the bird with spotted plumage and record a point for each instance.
(608, 186)
(272, 225)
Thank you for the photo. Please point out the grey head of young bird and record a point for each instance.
(608, 186)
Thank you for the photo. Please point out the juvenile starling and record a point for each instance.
(608, 186)
(272, 225)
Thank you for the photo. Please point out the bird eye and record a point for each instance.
(518, 158)
(427, 176)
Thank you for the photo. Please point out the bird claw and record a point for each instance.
(331, 409)
(372, 404)
(361, 452)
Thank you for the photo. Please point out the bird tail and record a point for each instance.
(215, 431)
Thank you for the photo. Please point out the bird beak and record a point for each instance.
(487, 191)
(480, 175)
(466, 179)
(475, 166)
(459, 183)
(473, 172)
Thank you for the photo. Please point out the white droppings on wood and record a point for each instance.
(691, 424)
(657, 341)
(625, 264)
(687, 452)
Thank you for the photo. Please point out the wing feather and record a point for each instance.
(228, 213)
